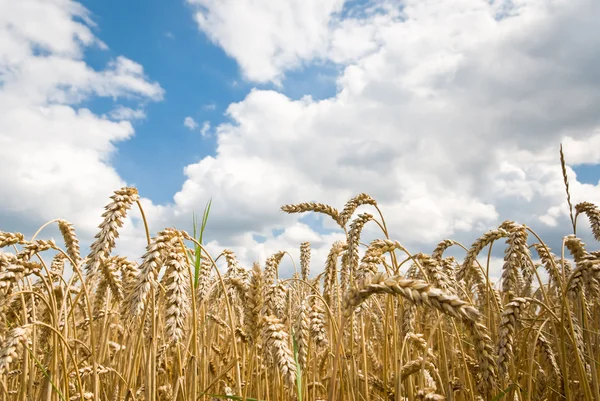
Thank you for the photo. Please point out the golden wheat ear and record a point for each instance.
(563, 165)
(122, 200)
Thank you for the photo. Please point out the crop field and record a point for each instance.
(377, 323)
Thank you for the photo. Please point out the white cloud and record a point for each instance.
(267, 40)
(209, 107)
(190, 123)
(449, 115)
(54, 154)
(265, 36)
(204, 131)
(126, 113)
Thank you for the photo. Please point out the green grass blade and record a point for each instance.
(298, 371)
(45, 373)
(196, 252)
(199, 236)
(503, 393)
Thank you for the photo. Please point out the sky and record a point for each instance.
(449, 114)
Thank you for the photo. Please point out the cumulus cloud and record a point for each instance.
(55, 155)
(449, 115)
(127, 113)
(264, 36)
(204, 131)
(190, 123)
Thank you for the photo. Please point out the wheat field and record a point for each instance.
(389, 325)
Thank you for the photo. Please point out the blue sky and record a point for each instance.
(195, 74)
(588, 173)
(199, 80)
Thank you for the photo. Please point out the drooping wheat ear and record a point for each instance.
(508, 225)
(517, 259)
(13, 269)
(241, 287)
(414, 272)
(412, 367)
(587, 272)
(70, 237)
(563, 166)
(16, 267)
(484, 351)
(373, 358)
(276, 341)
(271, 266)
(233, 267)
(149, 269)
(177, 297)
(354, 240)
(12, 346)
(317, 324)
(220, 322)
(579, 345)
(593, 214)
(550, 263)
(508, 325)
(254, 302)
(439, 250)
(381, 246)
(423, 293)
(576, 247)
(301, 333)
(417, 291)
(313, 207)
(242, 335)
(449, 266)
(9, 239)
(369, 264)
(31, 248)
(585, 264)
(419, 342)
(408, 318)
(113, 220)
(374, 256)
(437, 275)
(330, 289)
(351, 205)
(468, 267)
(305, 260)
(549, 359)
